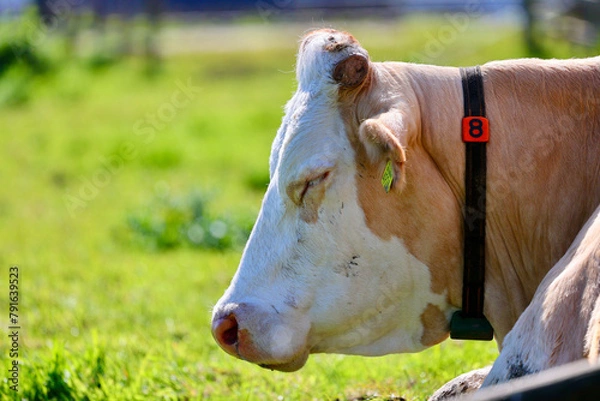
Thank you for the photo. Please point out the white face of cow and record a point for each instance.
(314, 277)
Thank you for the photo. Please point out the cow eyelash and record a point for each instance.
(316, 181)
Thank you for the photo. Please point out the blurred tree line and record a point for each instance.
(69, 19)
(107, 31)
(37, 40)
(575, 21)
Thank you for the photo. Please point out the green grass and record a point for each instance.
(102, 319)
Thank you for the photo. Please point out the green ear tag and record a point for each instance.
(388, 176)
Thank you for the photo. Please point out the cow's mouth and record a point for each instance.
(295, 364)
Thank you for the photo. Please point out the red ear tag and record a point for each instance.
(475, 129)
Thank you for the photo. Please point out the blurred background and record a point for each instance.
(135, 138)
(108, 30)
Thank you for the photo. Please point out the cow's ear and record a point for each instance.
(382, 144)
(351, 71)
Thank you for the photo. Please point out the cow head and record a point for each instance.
(338, 260)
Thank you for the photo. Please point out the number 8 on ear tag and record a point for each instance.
(388, 176)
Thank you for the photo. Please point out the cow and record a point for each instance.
(341, 261)
(560, 325)
(562, 322)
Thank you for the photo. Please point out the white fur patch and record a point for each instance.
(359, 294)
(328, 285)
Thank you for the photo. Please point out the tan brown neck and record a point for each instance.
(529, 225)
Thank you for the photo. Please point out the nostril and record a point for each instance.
(225, 331)
(230, 334)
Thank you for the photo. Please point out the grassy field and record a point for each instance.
(110, 311)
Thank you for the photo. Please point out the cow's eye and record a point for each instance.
(316, 181)
(313, 182)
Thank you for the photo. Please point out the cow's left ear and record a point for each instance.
(352, 71)
(382, 144)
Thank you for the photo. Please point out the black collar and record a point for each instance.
(470, 323)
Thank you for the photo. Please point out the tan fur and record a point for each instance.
(543, 171)
(309, 212)
(384, 273)
(309, 202)
(395, 214)
(432, 319)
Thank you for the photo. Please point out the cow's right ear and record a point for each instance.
(382, 144)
